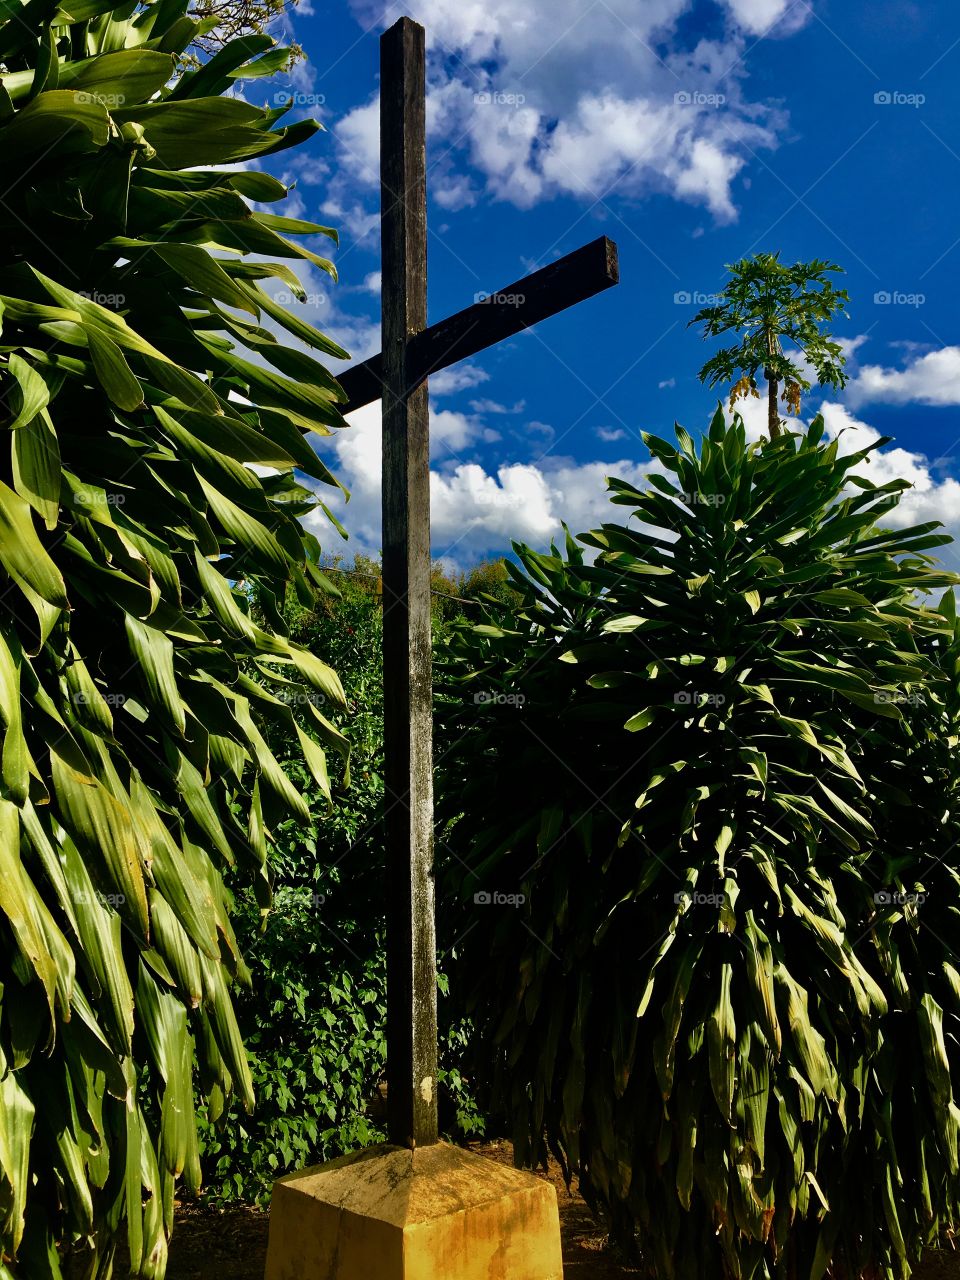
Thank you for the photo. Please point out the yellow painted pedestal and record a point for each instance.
(437, 1213)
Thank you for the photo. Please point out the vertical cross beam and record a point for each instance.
(407, 653)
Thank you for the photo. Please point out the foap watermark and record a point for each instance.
(97, 498)
(894, 98)
(702, 499)
(500, 299)
(898, 298)
(695, 298)
(104, 99)
(686, 898)
(296, 895)
(898, 898)
(499, 98)
(494, 898)
(888, 697)
(81, 698)
(309, 299)
(497, 698)
(303, 697)
(112, 300)
(697, 98)
(696, 698)
(104, 899)
(297, 98)
(498, 498)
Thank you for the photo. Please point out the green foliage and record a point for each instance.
(314, 1018)
(455, 595)
(233, 19)
(769, 304)
(718, 765)
(134, 766)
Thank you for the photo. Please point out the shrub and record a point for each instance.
(314, 1018)
(720, 775)
(134, 766)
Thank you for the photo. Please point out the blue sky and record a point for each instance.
(692, 132)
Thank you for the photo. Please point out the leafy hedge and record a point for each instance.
(314, 1019)
(716, 768)
(134, 765)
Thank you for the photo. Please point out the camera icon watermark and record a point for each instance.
(81, 699)
(886, 697)
(500, 299)
(305, 299)
(499, 498)
(107, 100)
(302, 697)
(695, 298)
(92, 498)
(104, 899)
(497, 98)
(696, 98)
(894, 98)
(296, 98)
(898, 298)
(702, 499)
(497, 698)
(494, 898)
(114, 300)
(898, 898)
(684, 898)
(695, 698)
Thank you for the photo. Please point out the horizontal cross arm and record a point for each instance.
(581, 274)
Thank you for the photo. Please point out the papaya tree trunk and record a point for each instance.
(773, 415)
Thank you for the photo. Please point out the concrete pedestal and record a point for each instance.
(437, 1213)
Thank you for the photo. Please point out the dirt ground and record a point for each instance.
(231, 1244)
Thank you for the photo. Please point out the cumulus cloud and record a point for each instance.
(928, 499)
(760, 17)
(457, 378)
(478, 508)
(932, 378)
(474, 511)
(547, 97)
(931, 496)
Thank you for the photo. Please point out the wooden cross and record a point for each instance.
(412, 350)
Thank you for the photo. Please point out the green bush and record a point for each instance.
(134, 769)
(717, 766)
(313, 1021)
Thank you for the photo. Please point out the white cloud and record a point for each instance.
(762, 16)
(610, 434)
(547, 97)
(476, 511)
(458, 378)
(929, 498)
(933, 379)
(494, 406)
(358, 133)
(473, 511)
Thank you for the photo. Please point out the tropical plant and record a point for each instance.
(139, 388)
(314, 1018)
(706, 796)
(769, 304)
(226, 20)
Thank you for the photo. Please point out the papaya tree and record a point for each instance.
(769, 304)
(155, 430)
(700, 816)
(233, 19)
